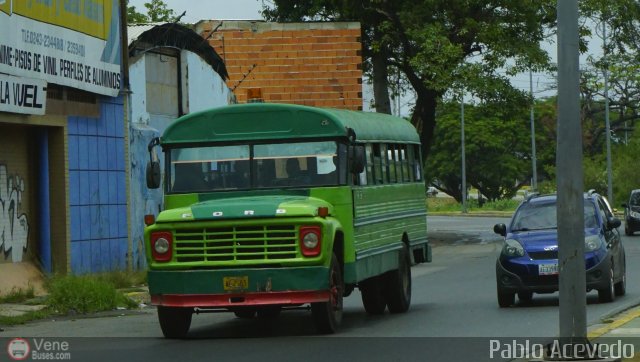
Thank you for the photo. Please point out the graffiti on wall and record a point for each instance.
(14, 226)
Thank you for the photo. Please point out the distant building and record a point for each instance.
(173, 71)
(315, 64)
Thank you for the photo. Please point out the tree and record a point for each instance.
(157, 12)
(134, 17)
(497, 149)
(433, 43)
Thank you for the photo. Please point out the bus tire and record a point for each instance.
(397, 288)
(328, 315)
(373, 299)
(174, 322)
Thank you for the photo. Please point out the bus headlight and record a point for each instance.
(161, 246)
(310, 240)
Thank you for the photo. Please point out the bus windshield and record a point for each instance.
(256, 166)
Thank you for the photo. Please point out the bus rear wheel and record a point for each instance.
(397, 289)
(373, 299)
(328, 315)
(174, 322)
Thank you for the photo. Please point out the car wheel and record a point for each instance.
(372, 297)
(621, 286)
(505, 298)
(525, 297)
(627, 231)
(607, 294)
(174, 322)
(397, 286)
(328, 315)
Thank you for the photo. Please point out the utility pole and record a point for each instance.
(534, 181)
(573, 312)
(606, 112)
(464, 167)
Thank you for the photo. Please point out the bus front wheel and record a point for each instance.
(328, 315)
(174, 322)
(398, 284)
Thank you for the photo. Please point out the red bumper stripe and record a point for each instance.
(239, 299)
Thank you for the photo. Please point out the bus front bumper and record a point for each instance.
(239, 287)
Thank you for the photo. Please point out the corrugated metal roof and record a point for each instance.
(135, 30)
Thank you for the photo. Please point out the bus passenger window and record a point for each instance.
(369, 165)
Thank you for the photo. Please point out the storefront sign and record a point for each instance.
(70, 42)
(22, 95)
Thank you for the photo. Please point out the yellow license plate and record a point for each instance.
(236, 283)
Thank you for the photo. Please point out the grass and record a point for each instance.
(18, 295)
(85, 294)
(72, 294)
(447, 204)
(24, 318)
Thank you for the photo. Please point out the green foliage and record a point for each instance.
(134, 17)
(450, 205)
(497, 150)
(17, 295)
(432, 42)
(83, 294)
(26, 317)
(124, 279)
(626, 169)
(157, 11)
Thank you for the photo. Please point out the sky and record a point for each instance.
(209, 9)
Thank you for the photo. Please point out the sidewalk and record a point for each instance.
(622, 328)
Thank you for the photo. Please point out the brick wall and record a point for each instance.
(314, 64)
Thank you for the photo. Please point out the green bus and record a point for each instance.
(269, 207)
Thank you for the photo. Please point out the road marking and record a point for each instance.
(624, 319)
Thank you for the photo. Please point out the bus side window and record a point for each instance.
(369, 164)
(404, 162)
(391, 164)
(379, 164)
(411, 161)
(417, 164)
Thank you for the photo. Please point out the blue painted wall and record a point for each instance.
(97, 187)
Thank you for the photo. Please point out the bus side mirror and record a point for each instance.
(153, 166)
(153, 174)
(357, 158)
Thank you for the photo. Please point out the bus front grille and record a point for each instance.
(236, 243)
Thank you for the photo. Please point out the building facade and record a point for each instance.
(314, 64)
(63, 190)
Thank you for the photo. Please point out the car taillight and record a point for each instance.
(161, 245)
(310, 240)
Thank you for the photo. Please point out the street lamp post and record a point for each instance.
(534, 181)
(606, 113)
(464, 171)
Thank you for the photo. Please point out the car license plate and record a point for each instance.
(236, 283)
(548, 269)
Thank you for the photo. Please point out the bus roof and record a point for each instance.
(273, 121)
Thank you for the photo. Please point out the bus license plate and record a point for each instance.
(548, 269)
(236, 283)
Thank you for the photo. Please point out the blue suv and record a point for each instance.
(528, 262)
